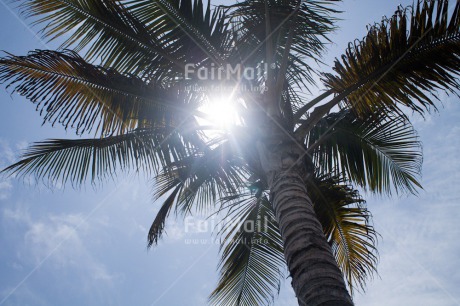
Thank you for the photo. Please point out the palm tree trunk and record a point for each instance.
(316, 278)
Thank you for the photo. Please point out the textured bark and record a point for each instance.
(316, 278)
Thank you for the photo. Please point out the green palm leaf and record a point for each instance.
(76, 94)
(269, 24)
(62, 160)
(346, 225)
(196, 181)
(252, 255)
(113, 35)
(190, 32)
(379, 153)
(405, 59)
(158, 224)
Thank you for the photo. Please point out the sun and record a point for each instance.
(221, 112)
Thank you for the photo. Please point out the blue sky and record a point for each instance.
(88, 247)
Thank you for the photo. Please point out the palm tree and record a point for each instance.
(129, 80)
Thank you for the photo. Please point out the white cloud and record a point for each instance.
(56, 238)
(21, 296)
(100, 273)
(6, 158)
(17, 215)
(58, 241)
(5, 189)
(63, 236)
(7, 155)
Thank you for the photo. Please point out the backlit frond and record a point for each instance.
(110, 32)
(380, 153)
(252, 260)
(76, 160)
(347, 227)
(402, 61)
(74, 93)
(197, 182)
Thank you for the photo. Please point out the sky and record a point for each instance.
(61, 246)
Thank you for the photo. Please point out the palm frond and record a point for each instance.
(76, 160)
(209, 176)
(346, 225)
(380, 153)
(70, 91)
(252, 262)
(158, 224)
(197, 182)
(190, 32)
(113, 35)
(307, 22)
(402, 61)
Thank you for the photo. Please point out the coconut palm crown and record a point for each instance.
(133, 78)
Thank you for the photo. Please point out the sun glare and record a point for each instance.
(221, 112)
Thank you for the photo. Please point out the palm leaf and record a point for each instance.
(76, 94)
(208, 177)
(346, 225)
(158, 224)
(76, 160)
(307, 22)
(402, 60)
(379, 153)
(191, 32)
(252, 255)
(196, 181)
(113, 35)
